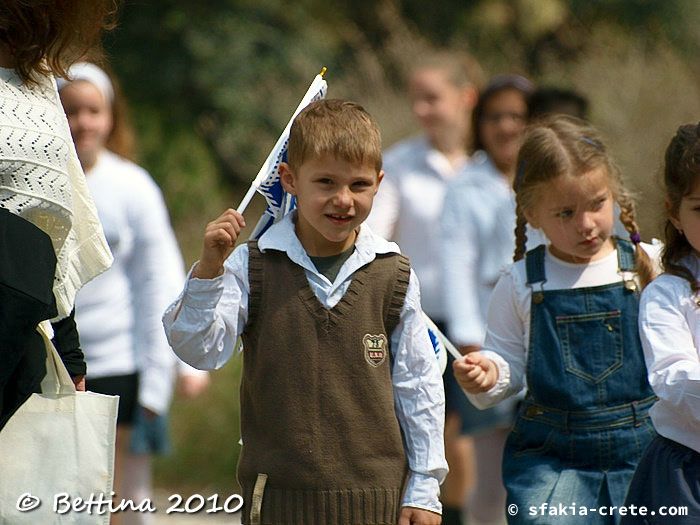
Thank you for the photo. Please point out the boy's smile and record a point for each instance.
(333, 198)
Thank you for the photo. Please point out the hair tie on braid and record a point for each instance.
(635, 238)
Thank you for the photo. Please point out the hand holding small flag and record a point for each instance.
(220, 238)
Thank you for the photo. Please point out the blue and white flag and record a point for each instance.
(267, 182)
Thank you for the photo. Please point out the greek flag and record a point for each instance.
(267, 182)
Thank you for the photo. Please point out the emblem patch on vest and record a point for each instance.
(375, 348)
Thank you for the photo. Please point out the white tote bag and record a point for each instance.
(57, 447)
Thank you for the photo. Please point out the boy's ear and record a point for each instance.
(287, 178)
(380, 177)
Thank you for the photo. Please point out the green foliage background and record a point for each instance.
(211, 84)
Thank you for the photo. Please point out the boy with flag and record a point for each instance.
(342, 406)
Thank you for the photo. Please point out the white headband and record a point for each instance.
(90, 73)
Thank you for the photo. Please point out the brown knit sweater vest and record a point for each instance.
(317, 406)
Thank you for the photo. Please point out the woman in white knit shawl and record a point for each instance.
(41, 180)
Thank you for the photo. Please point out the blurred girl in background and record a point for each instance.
(119, 313)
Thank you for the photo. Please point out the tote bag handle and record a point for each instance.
(57, 380)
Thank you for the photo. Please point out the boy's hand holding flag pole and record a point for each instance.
(279, 202)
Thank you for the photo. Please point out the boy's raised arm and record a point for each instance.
(203, 324)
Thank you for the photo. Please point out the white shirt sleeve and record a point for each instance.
(420, 404)
(505, 342)
(670, 351)
(204, 323)
(155, 271)
(460, 270)
(385, 209)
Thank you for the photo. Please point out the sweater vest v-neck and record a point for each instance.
(317, 405)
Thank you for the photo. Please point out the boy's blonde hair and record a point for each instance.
(339, 128)
(567, 146)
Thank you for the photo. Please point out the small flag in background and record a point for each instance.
(268, 182)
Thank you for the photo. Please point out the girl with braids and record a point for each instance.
(669, 324)
(563, 321)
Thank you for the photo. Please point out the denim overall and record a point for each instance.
(584, 423)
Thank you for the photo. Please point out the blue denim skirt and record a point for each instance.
(573, 460)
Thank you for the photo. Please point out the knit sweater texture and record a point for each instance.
(317, 408)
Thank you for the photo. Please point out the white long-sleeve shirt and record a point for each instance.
(118, 313)
(407, 210)
(508, 320)
(669, 326)
(205, 322)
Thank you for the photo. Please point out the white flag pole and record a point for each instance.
(265, 169)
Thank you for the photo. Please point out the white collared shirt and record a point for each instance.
(205, 322)
(407, 210)
(669, 326)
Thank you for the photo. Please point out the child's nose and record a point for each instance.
(586, 222)
(82, 119)
(343, 197)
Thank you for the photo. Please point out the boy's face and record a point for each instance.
(333, 198)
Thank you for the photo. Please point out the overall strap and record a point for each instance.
(534, 264)
(625, 255)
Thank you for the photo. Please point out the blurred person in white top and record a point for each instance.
(119, 312)
(442, 90)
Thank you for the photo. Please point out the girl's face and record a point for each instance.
(502, 125)
(687, 219)
(440, 106)
(89, 117)
(576, 214)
